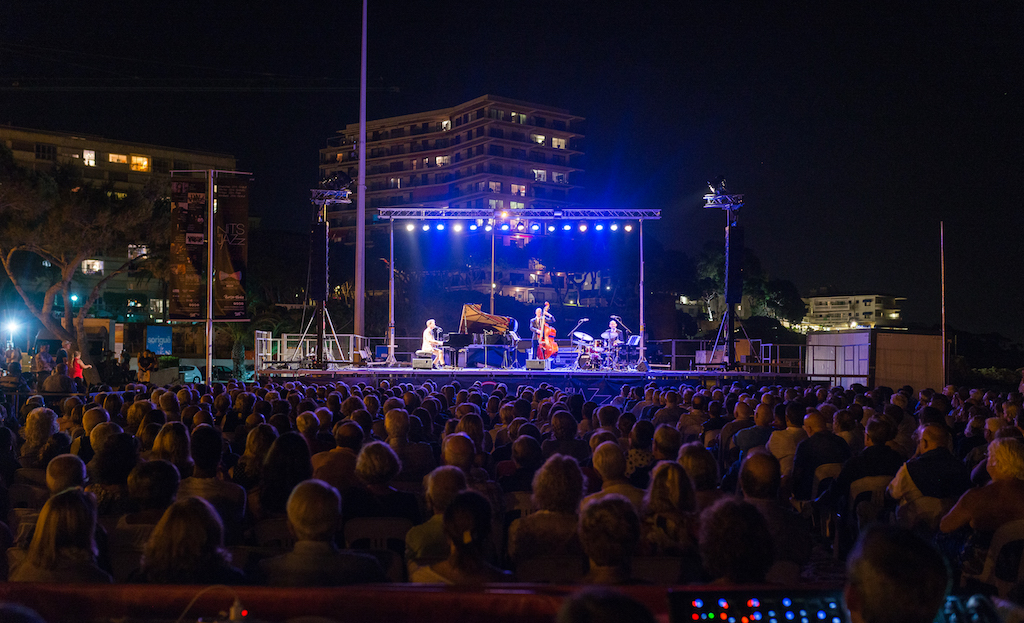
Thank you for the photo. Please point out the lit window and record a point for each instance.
(47, 264)
(446, 125)
(442, 160)
(518, 117)
(118, 158)
(519, 190)
(135, 251)
(88, 157)
(140, 163)
(558, 178)
(92, 267)
(537, 138)
(494, 187)
(558, 143)
(517, 205)
(496, 204)
(540, 175)
(395, 182)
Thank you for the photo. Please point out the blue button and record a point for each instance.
(771, 613)
(756, 616)
(787, 602)
(836, 620)
(755, 603)
(821, 614)
(697, 603)
(732, 619)
(722, 603)
(803, 613)
(832, 605)
(804, 620)
(790, 616)
(773, 621)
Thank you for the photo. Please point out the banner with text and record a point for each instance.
(231, 238)
(187, 282)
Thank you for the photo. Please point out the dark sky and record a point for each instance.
(852, 128)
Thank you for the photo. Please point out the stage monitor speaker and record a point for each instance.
(420, 363)
(642, 367)
(538, 364)
(734, 264)
(318, 262)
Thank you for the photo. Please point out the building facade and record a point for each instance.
(489, 152)
(851, 311)
(124, 166)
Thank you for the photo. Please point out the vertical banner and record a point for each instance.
(187, 296)
(158, 339)
(231, 238)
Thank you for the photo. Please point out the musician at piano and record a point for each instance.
(431, 344)
(540, 316)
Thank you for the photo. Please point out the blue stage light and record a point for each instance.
(472, 227)
(426, 227)
(566, 227)
(551, 228)
(410, 227)
(599, 227)
(457, 227)
(504, 227)
(615, 227)
(583, 227)
(535, 227)
(488, 228)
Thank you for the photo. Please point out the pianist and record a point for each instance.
(432, 345)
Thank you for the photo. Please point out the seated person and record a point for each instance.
(428, 540)
(735, 543)
(432, 346)
(610, 535)
(552, 529)
(314, 516)
(894, 576)
(467, 525)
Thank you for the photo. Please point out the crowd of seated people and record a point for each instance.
(264, 484)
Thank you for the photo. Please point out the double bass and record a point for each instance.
(546, 347)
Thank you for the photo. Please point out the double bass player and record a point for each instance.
(541, 319)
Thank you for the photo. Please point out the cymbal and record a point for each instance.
(580, 335)
(609, 335)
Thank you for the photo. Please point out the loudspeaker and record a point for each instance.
(418, 363)
(318, 262)
(642, 366)
(733, 264)
(538, 364)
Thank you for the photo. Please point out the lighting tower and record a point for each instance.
(719, 198)
(332, 191)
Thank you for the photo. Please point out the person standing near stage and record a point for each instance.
(540, 317)
(431, 344)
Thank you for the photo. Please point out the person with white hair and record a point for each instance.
(1000, 501)
(432, 345)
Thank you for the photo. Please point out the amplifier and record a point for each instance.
(422, 363)
(538, 364)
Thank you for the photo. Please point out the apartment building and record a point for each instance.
(490, 152)
(123, 165)
(851, 311)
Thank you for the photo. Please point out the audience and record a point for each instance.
(467, 525)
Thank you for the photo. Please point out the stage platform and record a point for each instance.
(593, 383)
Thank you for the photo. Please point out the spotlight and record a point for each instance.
(615, 227)
(504, 227)
(628, 228)
(488, 228)
(551, 228)
(521, 226)
(410, 227)
(557, 213)
(504, 214)
(440, 227)
(583, 227)
(535, 227)
(457, 227)
(426, 227)
(473, 227)
(479, 221)
(599, 227)
(566, 227)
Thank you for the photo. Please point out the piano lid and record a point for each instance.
(476, 321)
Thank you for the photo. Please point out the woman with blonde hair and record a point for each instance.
(246, 473)
(669, 521)
(63, 547)
(187, 547)
(40, 425)
(172, 444)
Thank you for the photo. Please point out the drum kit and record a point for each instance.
(603, 354)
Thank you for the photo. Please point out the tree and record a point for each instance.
(57, 217)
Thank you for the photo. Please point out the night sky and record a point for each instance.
(852, 128)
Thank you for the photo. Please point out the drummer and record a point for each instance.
(612, 337)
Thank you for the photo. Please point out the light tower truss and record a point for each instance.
(536, 214)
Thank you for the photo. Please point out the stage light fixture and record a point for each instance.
(599, 227)
(410, 227)
(504, 214)
(504, 227)
(583, 227)
(479, 221)
(566, 227)
(535, 227)
(521, 226)
(440, 227)
(551, 228)
(488, 228)
(628, 228)
(426, 227)
(615, 227)
(557, 214)
(473, 227)
(457, 227)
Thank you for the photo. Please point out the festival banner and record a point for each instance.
(187, 282)
(231, 238)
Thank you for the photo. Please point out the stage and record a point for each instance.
(595, 384)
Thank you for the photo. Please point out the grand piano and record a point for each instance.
(495, 335)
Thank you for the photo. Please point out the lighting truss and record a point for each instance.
(322, 197)
(531, 214)
(723, 202)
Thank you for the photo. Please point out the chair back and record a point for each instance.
(23, 495)
(823, 476)
(866, 500)
(552, 569)
(377, 533)
(667, 570)
(273, 532)
(1004, 563)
